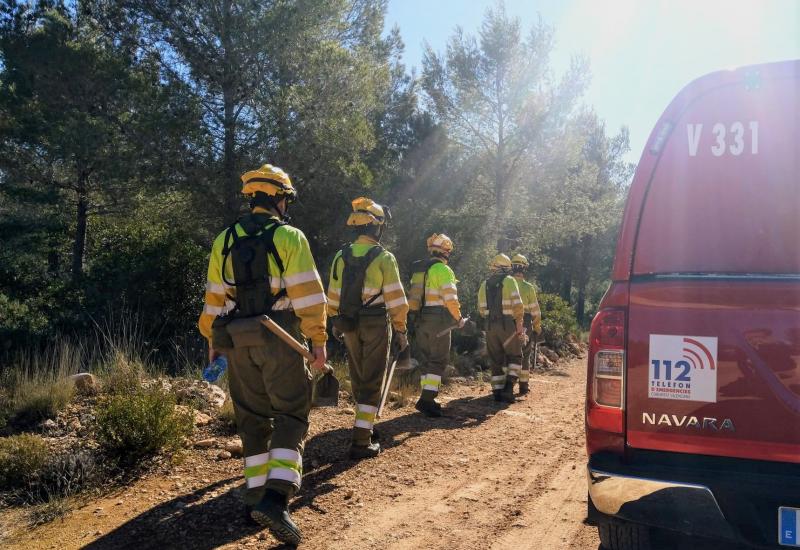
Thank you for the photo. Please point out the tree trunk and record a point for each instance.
(232, 183)
(583, 277)
(229, 162)
(79, 245)
(566, 286)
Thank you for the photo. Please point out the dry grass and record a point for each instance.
(51, 510)
(36, 385)
(21, 458)
(226, 415)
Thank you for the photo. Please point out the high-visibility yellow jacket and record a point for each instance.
(300, 278)
(528, 293)
(512, 301)
(382, 279)
(440, 289)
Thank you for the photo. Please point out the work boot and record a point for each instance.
(507, 393)
(358, 452)
(431, 408)
(524, 388)
(248, 517)
(272, 512)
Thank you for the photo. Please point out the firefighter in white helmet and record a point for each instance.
(532, 319)
(434, 305)
(368, 305)
(499, 301)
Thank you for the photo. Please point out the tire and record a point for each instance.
(619, 535)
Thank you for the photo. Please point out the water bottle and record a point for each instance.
(214, 369)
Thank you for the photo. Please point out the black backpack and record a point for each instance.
(249, 254)
(494, 296)
(353, 275)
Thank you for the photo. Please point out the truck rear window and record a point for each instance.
(725, 195)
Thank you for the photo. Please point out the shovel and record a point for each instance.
(326, 390)
(385, 387)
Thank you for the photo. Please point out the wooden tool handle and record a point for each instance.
(278, 331)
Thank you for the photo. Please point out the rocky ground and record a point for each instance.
(486, 476)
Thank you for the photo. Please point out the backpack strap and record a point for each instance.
(428, 265)
(369, 257)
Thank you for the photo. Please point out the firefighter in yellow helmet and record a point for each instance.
(500, 302)
(433, 301)
(261, 265)
(367, 303)
(532, 319)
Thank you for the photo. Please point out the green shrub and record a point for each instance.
(558, 320)
(21, 459)
(141, 423)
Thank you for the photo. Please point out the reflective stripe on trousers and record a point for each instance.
(431, 382)
(498, 382)
(365, 416)
(282, 464)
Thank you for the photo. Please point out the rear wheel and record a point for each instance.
(620, 535)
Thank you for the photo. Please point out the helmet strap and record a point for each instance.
(271, 203)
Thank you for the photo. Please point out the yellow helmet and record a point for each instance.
(500, 262)
(440, 243)
(368, 212)
(268, 179)
(520, 260)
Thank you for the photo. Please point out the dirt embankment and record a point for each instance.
(487, 476)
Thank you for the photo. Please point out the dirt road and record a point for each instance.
(485, 477)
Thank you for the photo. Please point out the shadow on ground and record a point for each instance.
(192, 521)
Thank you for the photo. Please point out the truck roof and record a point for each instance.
(716, 189)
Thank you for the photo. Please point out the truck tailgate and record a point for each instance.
(713, 366)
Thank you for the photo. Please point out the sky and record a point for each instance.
(642, 52)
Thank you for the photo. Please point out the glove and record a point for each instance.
(399, 342)
(462, 322)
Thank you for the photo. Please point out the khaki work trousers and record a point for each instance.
(433, 350)
(527, 356)
(271, 388)
(505, 360)
(367, 355)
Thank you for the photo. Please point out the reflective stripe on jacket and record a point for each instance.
(382, 279)
(528, 293)
(300, 278)
(440, 289)
(512, 301)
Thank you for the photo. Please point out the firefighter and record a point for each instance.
(433, 301)
(261, 265)
(499, 301)
(367, 304)
(532, 319)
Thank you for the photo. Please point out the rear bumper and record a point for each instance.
(720, 498)
(683, 507)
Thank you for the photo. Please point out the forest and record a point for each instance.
(125, 127)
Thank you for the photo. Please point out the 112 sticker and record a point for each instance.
(683, 368)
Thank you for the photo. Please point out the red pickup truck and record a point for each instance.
(693, 389)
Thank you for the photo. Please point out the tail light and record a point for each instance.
(605, 395)
(609, 358)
